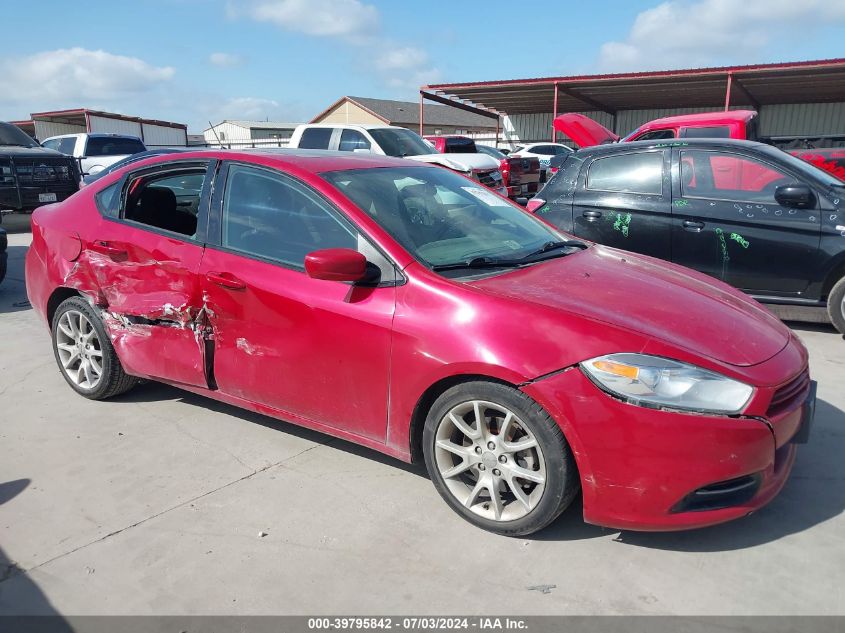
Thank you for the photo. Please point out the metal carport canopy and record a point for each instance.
(763, 84)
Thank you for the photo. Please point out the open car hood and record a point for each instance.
(583, 130)
(459, 162)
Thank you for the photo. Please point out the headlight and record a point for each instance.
(660, 382)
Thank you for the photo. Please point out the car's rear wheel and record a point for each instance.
(836, 305)
(85, 354)
(498, 459)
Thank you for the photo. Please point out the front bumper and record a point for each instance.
(639, 467)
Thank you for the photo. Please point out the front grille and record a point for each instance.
(787, 395)
(492, 178)
(41, 171)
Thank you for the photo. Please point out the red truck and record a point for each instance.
(521, 176)
(737, 124)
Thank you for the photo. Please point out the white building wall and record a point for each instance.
(226, 132)
(164, 136)
(106, 125)
(46, 129)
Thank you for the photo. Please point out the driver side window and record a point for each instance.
(273, 217)
(726, 176)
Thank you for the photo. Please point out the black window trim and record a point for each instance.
(215, 237)
(163, 168)
(676, 172)
(659, 151)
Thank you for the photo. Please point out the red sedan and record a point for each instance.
(408, 309)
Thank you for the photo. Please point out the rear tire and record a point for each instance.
(518, 453)
(85, 354)
(836, 305)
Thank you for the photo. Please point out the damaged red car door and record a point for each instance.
(316, 350)
(144, 258)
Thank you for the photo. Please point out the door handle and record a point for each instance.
(592, 215)
(226, 280)
(693, 226)
(104, 248)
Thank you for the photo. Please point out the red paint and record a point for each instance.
(355, 361)
(336, 264)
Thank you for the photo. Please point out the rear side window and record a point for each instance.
(316, 138)
(726, 176)
(716, 131)
(629, 173)
(351, 140)
(168, 201)
(112, 146)
(108, 200)
(545, 150)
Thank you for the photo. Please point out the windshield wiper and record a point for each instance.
(548, 247)
(479, 262)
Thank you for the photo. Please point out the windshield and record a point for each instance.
(491, 151)
(400, 143)
(11, 135)
(442, 218)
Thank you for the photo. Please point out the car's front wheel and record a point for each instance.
(498, 459)
(85, 354)
(836, 305)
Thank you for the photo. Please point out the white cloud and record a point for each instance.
(76, 76)
(327, 18)
(225, 60)
(679, 33)
(353, 22)
(244, 108)
(402, 59)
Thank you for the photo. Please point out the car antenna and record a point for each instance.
(215, 135)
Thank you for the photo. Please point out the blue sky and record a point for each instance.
(198, 60)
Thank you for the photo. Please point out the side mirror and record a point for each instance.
(796, 195)
(522, 201)
(336, 264)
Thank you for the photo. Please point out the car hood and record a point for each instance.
(583, 130)
(459, 162)
(657, 299)
(34, 152)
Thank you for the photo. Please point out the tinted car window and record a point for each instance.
(726, 176)
(351, 140)
(66, 145)
(460, 146)
(400, 143)
(634, 173)
(272, 216)
(113, 146)
(546, 150)
(716, 131)
(168, 201)
(316, 138)
(51, 144)
(491, 151)
(12, 135)
(108, 200)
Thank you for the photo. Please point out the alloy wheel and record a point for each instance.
(80, 350)
(490, 461)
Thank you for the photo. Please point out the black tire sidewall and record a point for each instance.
(834, 305)
(561, 477)
(109, 356)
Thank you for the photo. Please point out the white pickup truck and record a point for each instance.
(95, 152)
(401, 142)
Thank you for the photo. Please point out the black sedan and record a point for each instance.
(747, 213)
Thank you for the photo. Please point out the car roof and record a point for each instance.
(704, 143)
(313, 161)
(709, 117)
(354, 126)
(93, 135)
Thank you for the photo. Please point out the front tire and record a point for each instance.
(836, 305)
(85, 354)
(498, 459)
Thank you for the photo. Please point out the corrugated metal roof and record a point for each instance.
(818, 81)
